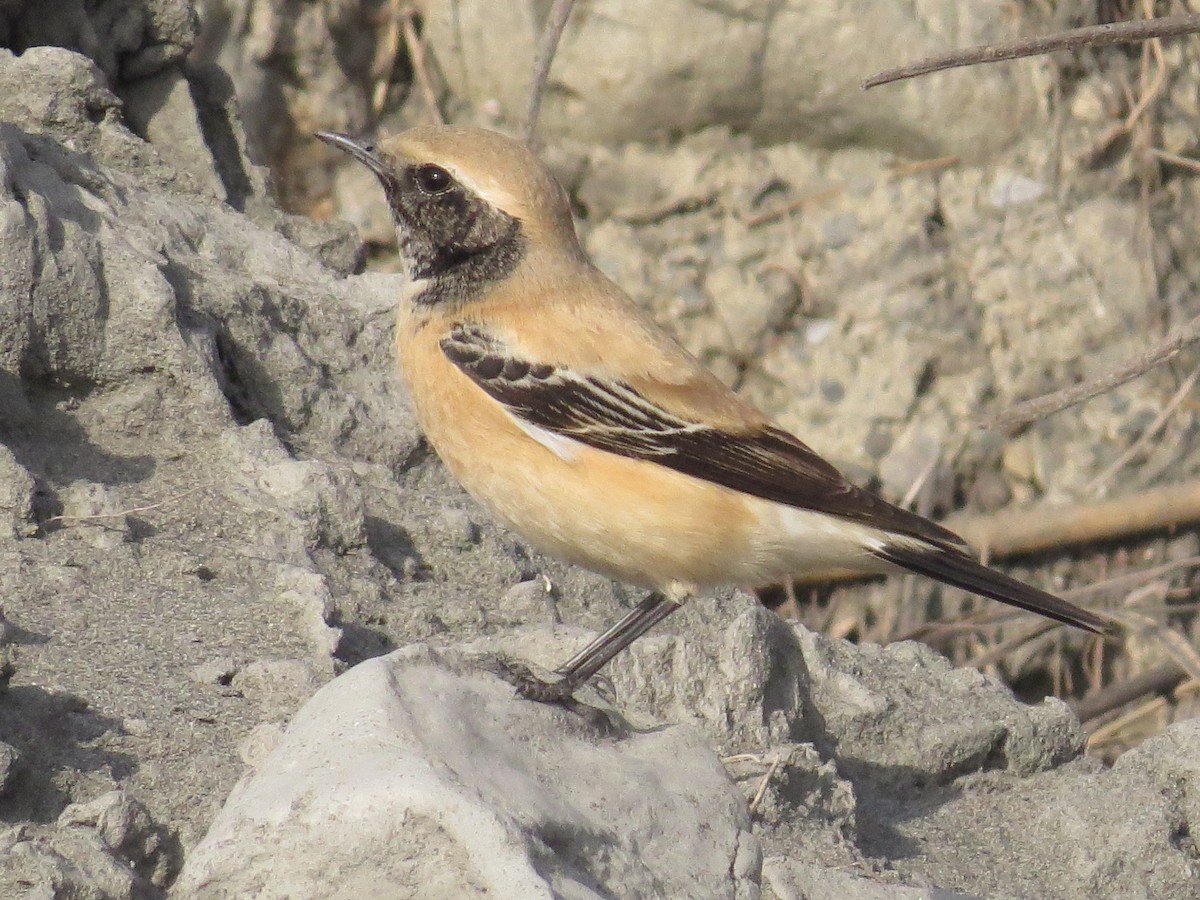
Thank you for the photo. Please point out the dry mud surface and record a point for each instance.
(248, 618)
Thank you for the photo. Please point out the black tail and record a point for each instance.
(961, 571)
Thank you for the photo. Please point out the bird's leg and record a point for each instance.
(591, 659)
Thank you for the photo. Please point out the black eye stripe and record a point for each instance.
(431, 179)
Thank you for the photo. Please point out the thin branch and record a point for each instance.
(1174, 159)
(386, 52)
(786, 209)
(1118, 730)
(133, 510)
(1089, 36)
(997, 652)
(552, 30)
(1039, 407)
(1144, 439)
(1047, 526)
(1162, 679)
(416, 55)
(766, 781)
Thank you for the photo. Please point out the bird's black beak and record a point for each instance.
(364, 153)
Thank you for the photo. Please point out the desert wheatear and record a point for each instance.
(561, 406)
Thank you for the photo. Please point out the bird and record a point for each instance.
(560, 405)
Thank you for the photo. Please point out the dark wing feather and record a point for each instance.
(610, 415)
(963, 572)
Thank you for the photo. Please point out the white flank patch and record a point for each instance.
(563, 447)
(791, 540)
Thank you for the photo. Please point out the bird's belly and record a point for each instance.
(628, 519)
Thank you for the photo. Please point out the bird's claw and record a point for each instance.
(531, 687)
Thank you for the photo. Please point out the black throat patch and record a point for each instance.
(453, 239)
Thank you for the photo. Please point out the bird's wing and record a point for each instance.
(607, 413)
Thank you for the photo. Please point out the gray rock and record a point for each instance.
(109, 849)
(16, 496)
(175, 350)
(496, 796)
(787, 879)
(10, 767)
(873, 705)
(780, 71)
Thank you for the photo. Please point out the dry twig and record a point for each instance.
(786, 209)
(1089, 36)
(1012, 532)
(1174, 159)
(1039, 407)
(127, 512)
(552, 30)
(386, 52)
(920, 166)
(1162, 679)
(416, 55)
(1108, 733)
(765, 783)
(1146, 436)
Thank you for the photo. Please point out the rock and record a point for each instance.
(10, 767)
(144, 38)
(1124, 832)
(496, 795)
(96, 510)
(880, 721)
(177, 351)
(218, 671)
(792, 791)
(1011, 189)
(308, 592)
(527, 603)
(16, 497)
(280, 683)
(297, 69)
(779, 71)
(160, 109)
(108, 848)
(788, 879)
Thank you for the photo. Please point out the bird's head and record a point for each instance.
(470, 205)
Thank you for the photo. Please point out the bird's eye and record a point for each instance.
(432, 179)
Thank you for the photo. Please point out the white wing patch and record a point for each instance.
(563, 447)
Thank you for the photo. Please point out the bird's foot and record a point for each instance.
(531, 687)
(598, 714)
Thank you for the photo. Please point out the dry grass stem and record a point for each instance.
(779, 212)
(994, 654)
(920, 166)
(420, 66)
(133, 510)
(1161, 679)
(765, 783)
(385, 55)
(1174, 159)
(1144, 439)
(1074, 39)
(552, 30)
(1113, 732)
(1039, 407)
